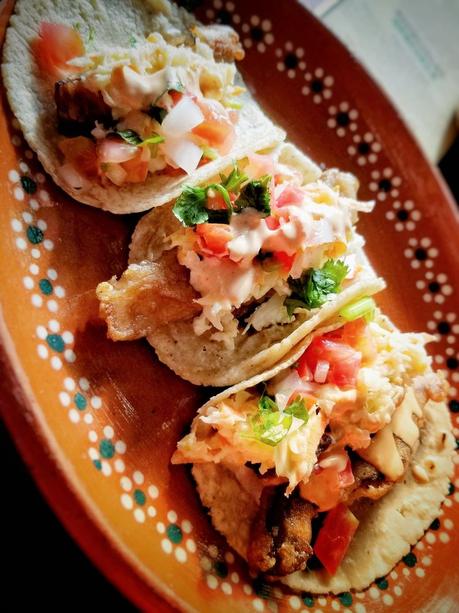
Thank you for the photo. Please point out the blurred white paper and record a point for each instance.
(411, 48)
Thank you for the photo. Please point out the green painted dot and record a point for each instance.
(410, 559)
(308, 601)
(174, 533)
(451, 489)
(45, 286)
(80, 401)
(139, 497)
(382, 583)
(28, 185)
(346, 599)
(56, 342)
(106, 448)
(261, 589)
(435, 524)
(221, 569)
(97, 464)
(35, 235)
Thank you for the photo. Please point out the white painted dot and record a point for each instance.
(186, 526)
(41, 223)
(67, 337)
(138, 477)
(431, 538)
(64, 399)
(35, 253)
(120, 447)
(41, 332)
(43, 195)
(126, 484)
(54, 325)
(34, 205)
(444, 537)
(18, 193)
(106, 469)
(449, 525)
(151, 511)
(247, 589)
(42, 351)
(420, 545)
(23, 167)
(406, 572)
(172, 517)
(374, 593)
(127, 501)
(16, 140)
(226, 588)
(335, 605)
(52, 274)
(388, 600)
(13, 176)
(234, 577)
(74, 416)
(48, 244)
(359, 608)
(21, 244)
(92, 436)
(119, 465)
(420, 572)
(180, 555)
(16, 225)
(33, 269)
(56, 362)
(88, 418)
(27, 217)
(59, 291)
(93, 454)
(28, 282)
(40, 177)
(206, 564)
(160, 527)
(213, 551)
(153, 491)
(70, 355)
(258, 604)
(426, 561)
(69, 384)
(108, 432)
(139, 516)
(52, 306)
(190, 545)
(294, 602)
(212, 582)
(96, 402)
(322, 601)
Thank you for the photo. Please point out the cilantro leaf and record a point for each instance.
(234, 180)
(310, 291)
(267, 404)
(297, 408)
(190, 208)
(255, 194)
(130, 136)
(154, 139)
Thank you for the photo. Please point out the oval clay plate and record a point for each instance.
(97, 421)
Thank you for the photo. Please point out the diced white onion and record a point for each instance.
(182, 153)
(284, 388)
(321, 371)
(112, 151)
(184, 116)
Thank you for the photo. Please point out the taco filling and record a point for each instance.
(317, 441)
(154, 107)
(260, 248)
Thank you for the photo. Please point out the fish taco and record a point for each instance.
(121, 112)
(230, 276)
(323, 471)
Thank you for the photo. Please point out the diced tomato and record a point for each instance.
(175, 96)
(214, 238)
(285, 259)
(325, 486)
(343, 359)
(290, 195)
(81, 152)
(215, 201)
(217, 129)
(346, 476)
(335, 537)
(356, 334)
(272, 222)
(137, 167)
(55, 46)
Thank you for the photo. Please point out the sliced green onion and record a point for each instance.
(364, 307)
(155, 139)
(232, 104)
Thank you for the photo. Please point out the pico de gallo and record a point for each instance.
(338, 425)
(261, 245)
(128, 113)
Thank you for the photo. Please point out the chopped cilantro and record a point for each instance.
(158, 113)
(132, 41)
(312, 288)
(267, 404)
(190, 208)
(255, 194)
(234, 180)
(131, 137)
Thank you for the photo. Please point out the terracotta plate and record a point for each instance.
(97, 421)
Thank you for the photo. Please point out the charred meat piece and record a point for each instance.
(281, 533)
(78, 108)
(222, 39)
